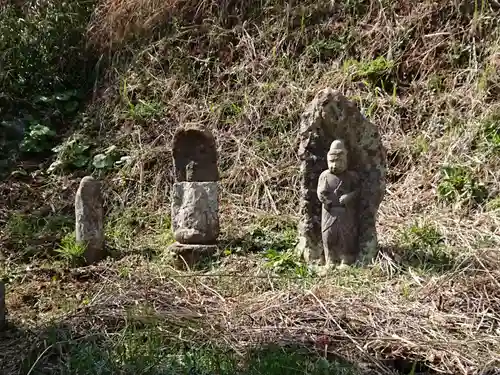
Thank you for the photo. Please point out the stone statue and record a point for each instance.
(338, 192)
(328, 117)
(195, 199)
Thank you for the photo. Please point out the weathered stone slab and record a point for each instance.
(89, 212)
(3, 322)
(330, 116)
(195, 212)
(195, 155)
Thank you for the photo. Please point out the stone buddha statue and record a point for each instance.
(338, 192)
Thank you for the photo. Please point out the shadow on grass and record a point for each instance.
(152, 350)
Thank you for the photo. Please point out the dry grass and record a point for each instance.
(246, 71)
(447, 322)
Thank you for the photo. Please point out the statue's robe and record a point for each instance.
(339, 222)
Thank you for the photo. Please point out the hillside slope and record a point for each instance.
(115, 78)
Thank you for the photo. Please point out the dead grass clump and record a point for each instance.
(447, 324)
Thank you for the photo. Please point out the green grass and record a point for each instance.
(35, 234)
(377, 72)
(459, 185)
(70, 251)
(424, 248)
(150, 351)
(287, 262)
(493, 204)
(490, 134)
(129, 228)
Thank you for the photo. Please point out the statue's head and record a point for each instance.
(337, 157)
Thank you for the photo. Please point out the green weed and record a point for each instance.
(489, 79)
(31, 234)
(72, 153)
(108, 159)
(134, 227)
(276, 125)
(458, 185)
(436, 83)
(45, 68)
(490, 133)
(231, 111)
(263, 238)
(38, 138)
(24, 227)
(493, 205)
(140, 109)
(285, 262)
(424, 247)
(71, 251)
(145, 110)
(406, 291)
(328, 48)
(377, 72)
(422, 236)
(420, 146)
(20, 226)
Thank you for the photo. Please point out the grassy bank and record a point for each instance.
(100, 87)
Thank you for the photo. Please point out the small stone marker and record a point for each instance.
(195, 202)
(3, 322)
(329, 117)
(89, 212)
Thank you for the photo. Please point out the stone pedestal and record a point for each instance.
(89, 212)
(190, 255)
(195, 219)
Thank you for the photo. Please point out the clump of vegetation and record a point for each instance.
(377, 72)
(71, 251)
(37, 138)
(29, 235)
(490, 133)
(285, 262)
(458, 185)
(424, 247)
(147, 350)
(422, 236)
(45, 72)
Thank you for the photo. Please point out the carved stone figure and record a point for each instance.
(330, 116)
(195, 203)
(338, 190)
(89, 212)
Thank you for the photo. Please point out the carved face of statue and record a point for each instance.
(337, 161)
(337, 157)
